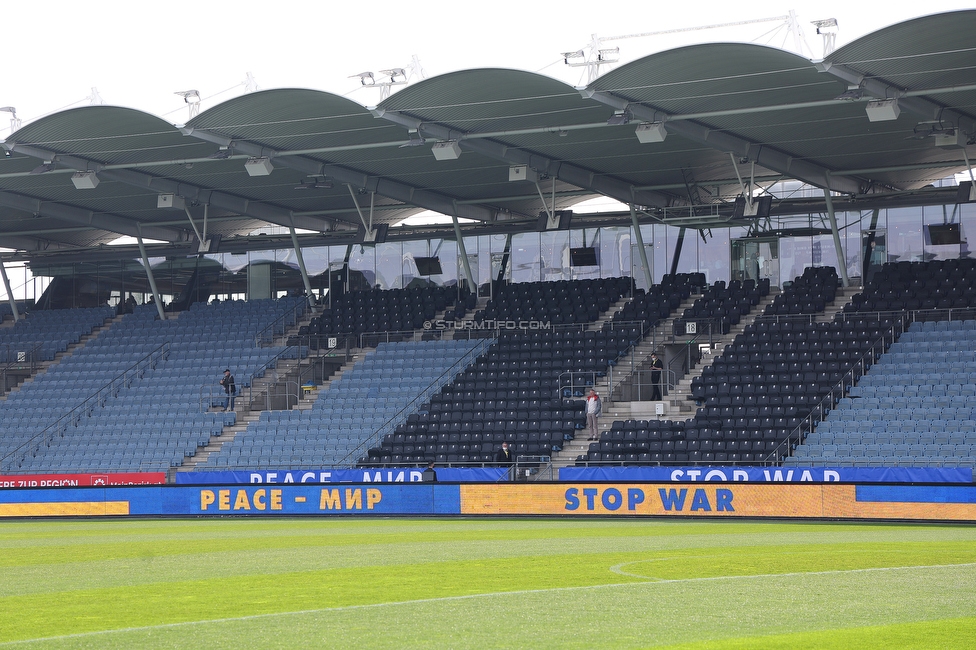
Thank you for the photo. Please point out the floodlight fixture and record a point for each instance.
(84, 180)
(883, 110)
(396, 75)
(824, 25)
(189, 96)
(608, 55)
(577, 57)
(15, 122)
(365, 78)
(618, 118)
(449, 150)
(192, 99)
(259, 166)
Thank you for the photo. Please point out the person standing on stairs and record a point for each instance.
(656, 367)
(594, 408)
(227, 381)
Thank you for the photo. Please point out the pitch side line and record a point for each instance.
(615, 569)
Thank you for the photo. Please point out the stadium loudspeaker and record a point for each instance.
(883, 111)
(170, 201)
(84, 180)
(258, 166)
(522, 173)
(654, 132)
(446, 150)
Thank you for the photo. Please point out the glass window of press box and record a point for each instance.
(868, 239)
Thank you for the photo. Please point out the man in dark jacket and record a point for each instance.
(504, 456)
(227, 381)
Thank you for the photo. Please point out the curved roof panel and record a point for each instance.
(724, 111)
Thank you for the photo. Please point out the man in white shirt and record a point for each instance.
(594, 407)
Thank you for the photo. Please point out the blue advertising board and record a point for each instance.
(758, 499)
(769, 474)
(318, 476)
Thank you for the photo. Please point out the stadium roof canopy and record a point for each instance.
(877, 122)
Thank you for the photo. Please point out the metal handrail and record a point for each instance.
(30, 359)
(410, 406)
(280, 325)
(210, 392)
(288, 384)
(86, 407)
(840, 388)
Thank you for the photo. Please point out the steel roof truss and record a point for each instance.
(237, 204)
(108, 222)
(564, 171)
(391, 189)
(766, 156)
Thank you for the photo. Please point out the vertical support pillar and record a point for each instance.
(10, 294)
(841, 260)
(301, 265)
(677, 251)
(472, 286)
(866, 253)
(640, 246)
(152, 281)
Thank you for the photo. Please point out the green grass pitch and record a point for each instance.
(484, 583)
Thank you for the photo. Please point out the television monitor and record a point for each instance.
(428, 265)
(761, 206)
(378, 234)
(942, 234)
(560, 220)
(582, 257)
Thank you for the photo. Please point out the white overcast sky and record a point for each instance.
(138, 54)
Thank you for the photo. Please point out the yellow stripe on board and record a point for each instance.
(64, 509)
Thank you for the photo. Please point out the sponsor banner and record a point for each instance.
(769, 474)
(82, 480)
(386, 475)
(816, 500)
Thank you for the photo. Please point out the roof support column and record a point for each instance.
(640, 246)
(677, 251)
(462, 251)
(868, 245)
(10, 294)
(841, 260)
(301, 265)
(152, 280)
